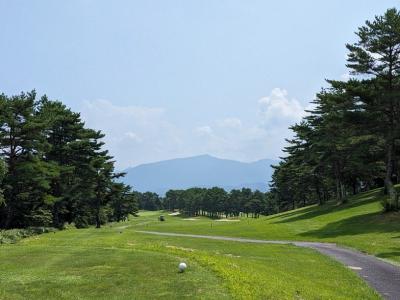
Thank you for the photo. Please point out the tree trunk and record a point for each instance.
(9, 217)
(11, 170)
(318, 191)
(340, 188)
(343, 192)
(98, 223)
(392, 202)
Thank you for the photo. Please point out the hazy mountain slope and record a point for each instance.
(199, 171)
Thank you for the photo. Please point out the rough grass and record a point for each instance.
(358, 224)
(14, 235)
(116, 262)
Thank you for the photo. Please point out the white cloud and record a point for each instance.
(261, 138)
(345, 77)
(278, 108)
(248, 142)
(133, 136)
(203, 130)
(136, 135)
(233, 123)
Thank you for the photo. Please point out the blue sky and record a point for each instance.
(166, 79)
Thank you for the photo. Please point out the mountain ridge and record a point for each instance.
(199, 171)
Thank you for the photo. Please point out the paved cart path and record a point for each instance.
(382, 276)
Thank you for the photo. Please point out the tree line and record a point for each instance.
(350, 141)
(213, 202)
(54, 170)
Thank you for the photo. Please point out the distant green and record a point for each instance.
(359, 224)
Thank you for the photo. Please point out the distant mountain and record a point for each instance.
(199, 171)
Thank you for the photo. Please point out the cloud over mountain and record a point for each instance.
(199, 171)
(138, 134)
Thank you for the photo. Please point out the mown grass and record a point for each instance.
(358, 224)
(116, 262)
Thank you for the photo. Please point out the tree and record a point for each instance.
(171, 200)
(150, 201)
(64, 133)
(57, 170)
(246, 195)
(26, 184)
(377, 54)
(257, 204)
(2, 174)
(233, 203)
(122, 201)
(350, 139)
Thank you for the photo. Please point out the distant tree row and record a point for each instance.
(212, 202)
(216, 202)
(350, 141)
(149, 201)
(53, 170)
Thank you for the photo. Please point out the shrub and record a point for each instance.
(14, 235)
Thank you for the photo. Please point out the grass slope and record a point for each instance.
(358, 224)
(116, 262)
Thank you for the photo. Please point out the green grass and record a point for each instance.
(358, 224)
(116, 262)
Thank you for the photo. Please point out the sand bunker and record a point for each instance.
(122, 227)
(228, 220)
(174, 213)
(190, 219)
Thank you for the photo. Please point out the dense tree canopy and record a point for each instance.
(216, 202)
(53, 170)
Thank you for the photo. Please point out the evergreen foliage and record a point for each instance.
(53, 170)
(216, 202)
(350, 141)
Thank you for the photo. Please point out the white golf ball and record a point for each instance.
(182, 267)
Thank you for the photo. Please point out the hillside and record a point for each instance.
(199, 171)
(358, 224)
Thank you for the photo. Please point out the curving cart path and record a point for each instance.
(382, 276)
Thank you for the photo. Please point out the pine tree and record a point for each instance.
(122, 201)
(26, 184)
(376, 55)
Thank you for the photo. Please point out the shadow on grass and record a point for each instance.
(368, 223)
(294, 213)
(316, 211)
(391, 254)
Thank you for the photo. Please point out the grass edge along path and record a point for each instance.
(382, 276)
